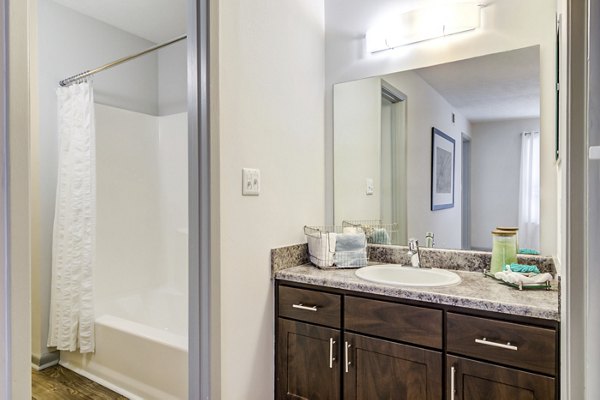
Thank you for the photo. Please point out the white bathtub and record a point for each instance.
(141, 346)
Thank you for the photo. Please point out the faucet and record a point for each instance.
(414, 253)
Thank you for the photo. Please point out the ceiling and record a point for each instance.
(493, 87)
(154, 20)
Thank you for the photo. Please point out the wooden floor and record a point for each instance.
(58, 383)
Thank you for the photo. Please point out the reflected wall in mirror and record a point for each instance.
(489, 105)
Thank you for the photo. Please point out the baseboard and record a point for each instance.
(45, 360)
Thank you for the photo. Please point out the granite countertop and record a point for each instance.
(474, 292)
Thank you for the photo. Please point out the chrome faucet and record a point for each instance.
(414, 253)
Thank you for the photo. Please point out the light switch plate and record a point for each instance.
(370, 186)
(250, 182)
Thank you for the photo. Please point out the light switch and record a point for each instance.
(370, 186)
(250, 182)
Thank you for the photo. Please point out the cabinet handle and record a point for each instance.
(506, 346)
(331, 357)
(303, 307)
(348, 362)
(452, 380)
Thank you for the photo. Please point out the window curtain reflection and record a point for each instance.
(529, 191)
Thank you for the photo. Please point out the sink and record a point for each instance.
(394, 274)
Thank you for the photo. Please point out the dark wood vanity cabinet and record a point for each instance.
(308, 356)
(380, 369)
(475, 380)
(518, 361)
(335, 344)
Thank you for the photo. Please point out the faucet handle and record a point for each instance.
(413, 245)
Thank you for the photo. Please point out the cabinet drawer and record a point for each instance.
(512, 344)
(310, 306)
(394, 321)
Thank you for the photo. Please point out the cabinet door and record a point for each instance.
(378, 369)
(474, 380)
(307, 361)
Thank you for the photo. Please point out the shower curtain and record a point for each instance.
(529, 191)
(73, 246)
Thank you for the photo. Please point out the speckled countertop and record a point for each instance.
(475, 291)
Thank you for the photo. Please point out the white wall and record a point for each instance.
(592, 365)
(495, 166)
(4, 217)
(15, 341)
(506, 25)
(270, 116)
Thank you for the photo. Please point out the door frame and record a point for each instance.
(202, 384)
(466, 192)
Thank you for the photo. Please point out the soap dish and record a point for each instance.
(521, 286)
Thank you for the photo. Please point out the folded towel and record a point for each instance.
(514, 267)
(351, 250)
(529, 251)
(357, 258)
(380, 236)
(321, 248)
(516, 278)
(350, 242)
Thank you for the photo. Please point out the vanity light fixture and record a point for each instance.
(424, 24)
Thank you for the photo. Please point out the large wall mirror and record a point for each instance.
(483, 169)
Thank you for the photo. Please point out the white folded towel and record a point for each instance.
(516, 278)
(321, 248)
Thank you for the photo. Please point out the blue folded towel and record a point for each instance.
(350, 242)
(514, 267)
(529, 251)
(351, 250)
(380, 236)
(351, 258)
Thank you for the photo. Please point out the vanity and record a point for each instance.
(341, 337)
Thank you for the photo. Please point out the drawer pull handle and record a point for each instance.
(303, 307)
(348, 362)
(452, 382)
(506, 346)
(331, 358)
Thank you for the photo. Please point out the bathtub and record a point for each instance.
(141, 346)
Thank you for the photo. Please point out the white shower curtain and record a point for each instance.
(73, 246)
(529, 192)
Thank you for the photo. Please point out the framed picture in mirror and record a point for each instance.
(442, 170)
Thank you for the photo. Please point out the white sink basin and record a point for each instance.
(394, 274)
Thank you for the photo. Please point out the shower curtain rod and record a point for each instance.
(85, 74)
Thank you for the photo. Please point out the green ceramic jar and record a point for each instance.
(504, 250)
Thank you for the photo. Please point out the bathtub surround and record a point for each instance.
(142, 240)
(74, 239)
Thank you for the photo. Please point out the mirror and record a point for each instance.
(484, 154)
